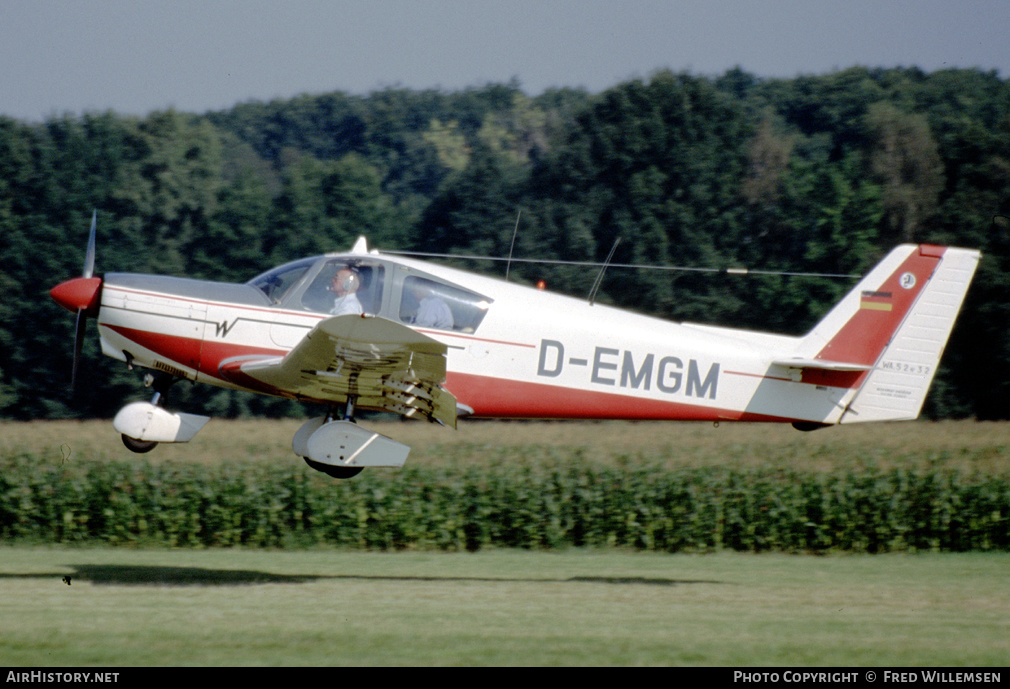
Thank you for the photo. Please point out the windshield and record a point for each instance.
(277, 282)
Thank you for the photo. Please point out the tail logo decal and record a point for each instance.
(876, 301)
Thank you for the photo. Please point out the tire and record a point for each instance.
(138, 446)
(335, 472)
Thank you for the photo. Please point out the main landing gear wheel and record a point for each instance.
(328, 469)
(138, 446)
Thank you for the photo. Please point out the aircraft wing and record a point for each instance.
(383, 364)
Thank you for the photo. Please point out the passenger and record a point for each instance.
(432, 312)
(344, 284)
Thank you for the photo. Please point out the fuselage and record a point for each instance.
(512, 351)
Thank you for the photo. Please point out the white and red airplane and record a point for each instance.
(428, 341)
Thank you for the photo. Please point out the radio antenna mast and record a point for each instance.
(599, 278)
(513, 245)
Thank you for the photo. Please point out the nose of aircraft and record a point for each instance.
(78, 294)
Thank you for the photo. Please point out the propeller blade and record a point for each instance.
(82, 324)
(82, 296)
(89, 257)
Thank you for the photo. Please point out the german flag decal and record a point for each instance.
(875, 301)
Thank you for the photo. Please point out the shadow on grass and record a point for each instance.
(141, 575)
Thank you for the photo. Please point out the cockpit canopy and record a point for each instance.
(381, 287)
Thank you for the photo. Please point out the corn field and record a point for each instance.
(642, 505)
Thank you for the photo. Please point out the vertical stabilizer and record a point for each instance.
(890, 331)
(896, 387)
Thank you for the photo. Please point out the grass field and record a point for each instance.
(128, 607)
(241, 608)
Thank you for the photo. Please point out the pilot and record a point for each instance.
(432, 312)
(344, 284)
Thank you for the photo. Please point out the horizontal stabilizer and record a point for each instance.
(821, 364)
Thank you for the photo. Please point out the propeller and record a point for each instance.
(82, 296)
(89, 256)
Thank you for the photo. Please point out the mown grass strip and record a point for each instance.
(584, 607)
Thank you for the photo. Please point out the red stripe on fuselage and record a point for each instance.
(181, 350)
(488, 397)
(470, 338)
(514, 399)
(204, 356)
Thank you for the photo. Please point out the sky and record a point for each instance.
(137, 56)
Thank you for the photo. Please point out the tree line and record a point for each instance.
(814, 174)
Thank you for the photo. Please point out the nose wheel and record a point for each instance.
(160, 383)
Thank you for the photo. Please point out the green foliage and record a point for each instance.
(555, 505)
(818, 173)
